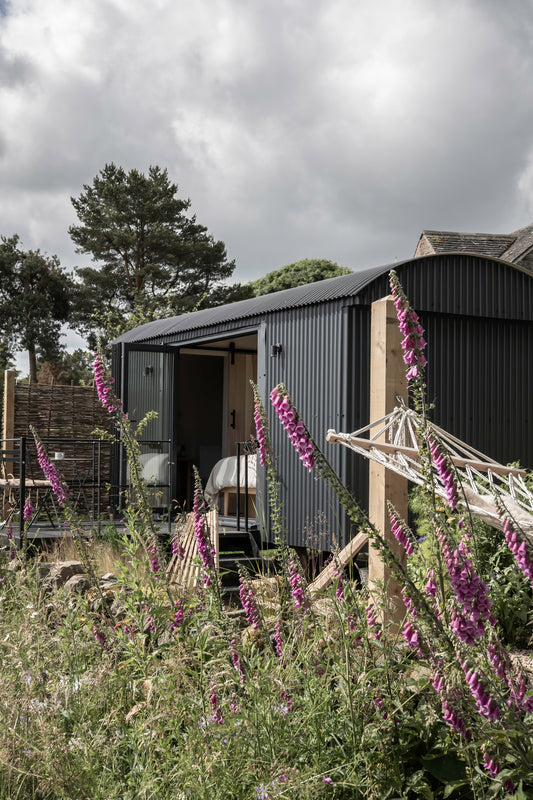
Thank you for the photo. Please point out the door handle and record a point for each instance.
(232, 415)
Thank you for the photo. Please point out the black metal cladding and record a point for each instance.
(478, 317)
(314, 343)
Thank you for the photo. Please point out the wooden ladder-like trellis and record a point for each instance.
(392, 441)
(185, 568)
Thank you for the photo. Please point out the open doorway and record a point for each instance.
(213, 406)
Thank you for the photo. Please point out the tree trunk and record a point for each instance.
(33, 365)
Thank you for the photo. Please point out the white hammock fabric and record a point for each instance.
(392, 442)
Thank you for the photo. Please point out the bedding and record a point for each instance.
(224, 475)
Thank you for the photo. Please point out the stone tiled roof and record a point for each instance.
(490, 244)
(512, 247)
(522, 243)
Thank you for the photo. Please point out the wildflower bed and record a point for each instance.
(147, 690)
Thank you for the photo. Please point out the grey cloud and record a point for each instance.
(306, 131)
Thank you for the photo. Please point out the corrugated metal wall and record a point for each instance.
(460, 284)
(478, 317)
(313, 341)
(480, 377)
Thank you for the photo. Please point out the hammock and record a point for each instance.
(392, 442)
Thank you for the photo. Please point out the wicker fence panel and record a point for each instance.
(65, 418)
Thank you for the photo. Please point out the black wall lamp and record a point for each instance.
(275, 350)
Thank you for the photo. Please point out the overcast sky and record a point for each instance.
(337, 129)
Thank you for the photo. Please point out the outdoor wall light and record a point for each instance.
(275, 350)
(148, 371)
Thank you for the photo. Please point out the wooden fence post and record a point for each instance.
(8, 426)
(387, 380)
(8, 418)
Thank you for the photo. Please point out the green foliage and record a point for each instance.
(152, 255)
(77, 367)
(34, 301)
(509, 590)
(151, 690)
(308, 270)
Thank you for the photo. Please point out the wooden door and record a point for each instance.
(240, 399)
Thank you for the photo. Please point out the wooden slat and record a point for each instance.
(340, 561)
(185, 570)
(413, 453)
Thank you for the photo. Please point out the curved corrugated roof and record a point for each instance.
(310, 293)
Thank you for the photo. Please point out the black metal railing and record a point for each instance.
(85, 466)
(245, 449)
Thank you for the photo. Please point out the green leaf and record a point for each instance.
(447, 769)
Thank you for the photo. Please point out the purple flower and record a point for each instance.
(248, 603)
(325, 779)
(28, 510)
(518, 548)
(339, 592)
(50, 474)
(431, 587)
(103, 383)
(297, 590)
(203, 540)
(178, 615)
(373, 625)
(444, 472)
(154, 561)
(485, 704)
(410, 635)
(409, 603)
(98, 635)
(454, 720)
(490, 765)
(278, 641)
(471, 593)
(449, 714)
(413, 343)
(296, 430)
(264, 449)
(217, 713)
(401, 532)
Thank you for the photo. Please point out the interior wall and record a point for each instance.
(240, 399)
(199, 410)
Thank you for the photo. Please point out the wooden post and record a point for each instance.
(8, 420)
(387, 380)
(8, 429)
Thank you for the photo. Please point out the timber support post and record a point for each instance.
(8, 417)
(387, 381)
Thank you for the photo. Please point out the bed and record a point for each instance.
(223, 479)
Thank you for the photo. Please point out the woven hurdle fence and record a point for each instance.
(64, 416)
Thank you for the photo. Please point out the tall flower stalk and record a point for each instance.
(266, 458)
(413, 343)
(205, 548)
(138, 509)
(450, 624)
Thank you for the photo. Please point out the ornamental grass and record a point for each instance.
(148, 690)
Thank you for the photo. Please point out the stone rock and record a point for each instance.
(117, 611)
(44, 568)
(108, 578)
(61, 571)
(78, 584)
(166, 635)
